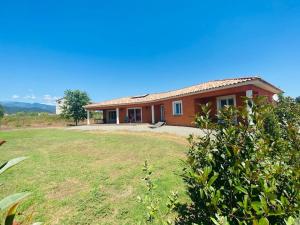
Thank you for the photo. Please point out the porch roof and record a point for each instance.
(199, 88)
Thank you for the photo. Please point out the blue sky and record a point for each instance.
(119, 48)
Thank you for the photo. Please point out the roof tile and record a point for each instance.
(175, 93)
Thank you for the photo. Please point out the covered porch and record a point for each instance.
(146, 113)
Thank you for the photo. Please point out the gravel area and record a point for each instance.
(177, 130)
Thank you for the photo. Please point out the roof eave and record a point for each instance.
(254, 81)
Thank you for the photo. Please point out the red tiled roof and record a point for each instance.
(207, 86)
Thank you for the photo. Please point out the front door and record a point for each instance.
(112, 116)
(135, 115)
(162, 113)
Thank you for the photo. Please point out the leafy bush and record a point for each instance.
(244, 172)
(97, 115)
(287, 110)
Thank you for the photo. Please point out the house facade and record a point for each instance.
(59, 105)
(179, 107)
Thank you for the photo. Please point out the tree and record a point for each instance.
(74, 100)
(244, 173)
(298, 99)
(1, 113)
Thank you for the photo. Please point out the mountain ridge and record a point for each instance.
(12, 107)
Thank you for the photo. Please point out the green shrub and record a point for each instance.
(244, 172)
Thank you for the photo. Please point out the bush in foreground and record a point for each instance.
(245, 169)
(244, 172)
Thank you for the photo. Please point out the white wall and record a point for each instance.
(59, 104)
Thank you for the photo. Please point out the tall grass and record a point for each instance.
(20, 120)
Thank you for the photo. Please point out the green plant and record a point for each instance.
(287, 110)
(155, 215)
(74, 100)
(97, 115)
(244, 172)
(9, 204)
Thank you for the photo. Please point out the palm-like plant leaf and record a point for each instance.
(11, 163)
(10, 214)
(13, 199)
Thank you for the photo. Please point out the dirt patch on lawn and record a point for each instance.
(117, 195)
(60, 214)
(66, 189)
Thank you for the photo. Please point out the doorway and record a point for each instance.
(134, 115)
(162, 113)
(112, 116)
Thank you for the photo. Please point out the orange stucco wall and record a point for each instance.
(191, 105)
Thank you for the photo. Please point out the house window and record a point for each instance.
(134, 115)
(177, 108)
(226, 101)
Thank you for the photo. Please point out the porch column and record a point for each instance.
(88, 117)
(152, 114)
(249, 95)
(118, 116)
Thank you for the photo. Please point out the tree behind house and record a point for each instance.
(74, 100)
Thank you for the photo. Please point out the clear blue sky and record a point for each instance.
(119, 48)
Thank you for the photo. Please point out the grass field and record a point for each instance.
(81, 177)
(25, 120)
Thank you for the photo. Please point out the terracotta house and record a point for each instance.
(179, 107)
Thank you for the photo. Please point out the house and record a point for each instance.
(179, 107)
(59, 105)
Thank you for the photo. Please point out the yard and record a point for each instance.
(89, 177)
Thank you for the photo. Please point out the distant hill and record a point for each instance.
(14, 107)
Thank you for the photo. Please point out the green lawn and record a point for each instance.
(81, 177)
